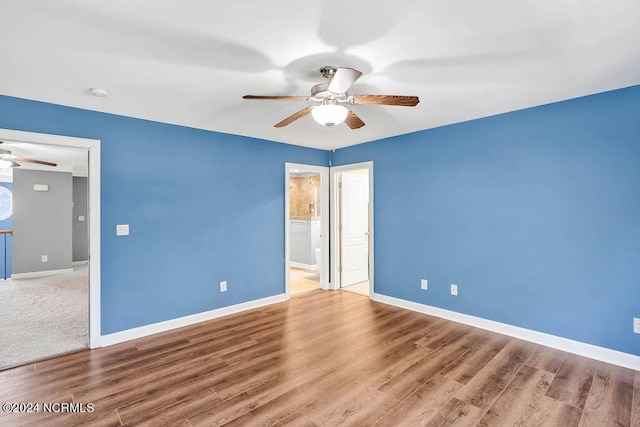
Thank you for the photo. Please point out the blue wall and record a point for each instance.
(202, 207)
(534, 214)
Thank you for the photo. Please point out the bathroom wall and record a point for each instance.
(304, 192)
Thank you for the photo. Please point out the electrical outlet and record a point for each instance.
(122, 230)
(223, 286)
(454, 289)
(636, 325)
(45, 258)
(424, 284)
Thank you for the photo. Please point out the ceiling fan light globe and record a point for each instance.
(330, 115)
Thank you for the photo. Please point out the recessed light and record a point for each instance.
(101, 93)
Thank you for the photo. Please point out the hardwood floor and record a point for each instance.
(326, 358)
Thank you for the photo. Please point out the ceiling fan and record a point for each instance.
(332, 95)
(8, 160)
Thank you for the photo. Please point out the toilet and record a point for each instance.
(318, 258)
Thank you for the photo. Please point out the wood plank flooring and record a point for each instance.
(327, 358)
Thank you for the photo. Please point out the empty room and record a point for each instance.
(320, 214)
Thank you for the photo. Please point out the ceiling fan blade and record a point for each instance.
(403, 101)
(353, 121)
(294, 117)
(343, 79)
(40, 162)
(280, 97)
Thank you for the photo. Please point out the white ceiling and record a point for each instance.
(189, 62)
(67, 159)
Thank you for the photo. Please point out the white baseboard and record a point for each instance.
(34, 274)
(582, 349)
(74, 263)
(167, 325)
(303, 266)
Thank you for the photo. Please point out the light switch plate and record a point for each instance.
(81, 218)
(122, 230)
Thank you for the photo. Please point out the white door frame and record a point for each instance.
(335, 215)
(93, 146)
(324, 218)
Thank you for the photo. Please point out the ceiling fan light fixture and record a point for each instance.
(333, 93)
(330, 114)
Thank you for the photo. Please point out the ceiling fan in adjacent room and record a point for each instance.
(332, 95)
(8, 160)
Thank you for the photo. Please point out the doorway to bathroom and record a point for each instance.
(306, 228)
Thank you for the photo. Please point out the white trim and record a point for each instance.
(32, 274)
(93, 146)
(324, 218)
(77, 263)
(576, 347)
(313, 267)
(167, 325)
(335, 242)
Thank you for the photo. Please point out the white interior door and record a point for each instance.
(355, 228)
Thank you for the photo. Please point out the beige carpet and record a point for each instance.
(43, 317)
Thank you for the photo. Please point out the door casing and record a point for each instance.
(334, 222)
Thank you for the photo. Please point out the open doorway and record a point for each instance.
(48, 270)
(306, 228)
(352, 226)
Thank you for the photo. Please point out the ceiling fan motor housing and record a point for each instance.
(321, 92)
